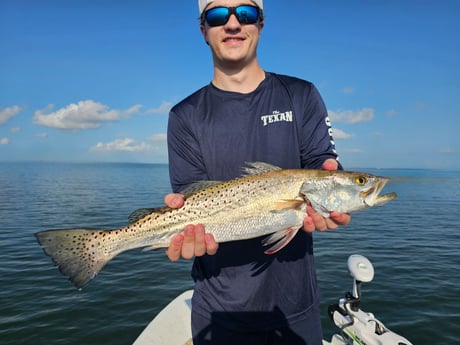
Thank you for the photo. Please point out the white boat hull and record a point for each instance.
(172, 325)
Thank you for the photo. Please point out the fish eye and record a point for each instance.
(360, 180)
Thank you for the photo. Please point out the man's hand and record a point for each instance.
(194, 241)
(314, 221)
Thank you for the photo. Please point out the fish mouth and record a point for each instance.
(371, 197)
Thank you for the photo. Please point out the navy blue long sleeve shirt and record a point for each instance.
(211, 134)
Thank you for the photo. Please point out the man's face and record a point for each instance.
(232, 43)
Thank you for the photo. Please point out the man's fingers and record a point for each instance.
(211, 244)
(188, 246)
(314, 221)
(308, 224)
(175, 248)
(330, 164)
(330, 224)
(320, 221)
(200, 244)
(340, 218)
(193, 242)
(174, 200)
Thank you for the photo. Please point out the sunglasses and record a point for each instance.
(217, 16)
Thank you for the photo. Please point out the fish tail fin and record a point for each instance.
(78, 253)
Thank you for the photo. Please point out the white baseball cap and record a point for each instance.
(203, 3)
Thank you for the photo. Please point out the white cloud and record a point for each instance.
(121, 145)
(15, 130)
(83, 115)
(352, 117)
(164, 108)
(156, 142)
(4, 141)
(160, 137)
(348, 90)
(339, 134)
(7, 113)
(391, 113)
(419, 105)
(448, 151)
(131, 111)
(42, 135)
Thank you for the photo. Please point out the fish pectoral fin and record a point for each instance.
(280, 238)
(286, 204)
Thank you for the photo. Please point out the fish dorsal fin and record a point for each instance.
(254, 168)
(139, 214)
(192, 188)
(198, 186)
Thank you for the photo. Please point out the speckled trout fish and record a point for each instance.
(266, 201)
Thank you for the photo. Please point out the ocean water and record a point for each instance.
(413, 243)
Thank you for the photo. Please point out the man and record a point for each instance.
(243, 296)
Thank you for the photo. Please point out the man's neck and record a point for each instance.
(242, 80)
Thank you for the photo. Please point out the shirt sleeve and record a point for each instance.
(316, 141)
(185, 159)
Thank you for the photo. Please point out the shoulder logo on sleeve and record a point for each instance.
(276, 116)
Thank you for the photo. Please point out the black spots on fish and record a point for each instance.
(155, 216)
(232, 191)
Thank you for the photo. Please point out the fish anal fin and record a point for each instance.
(280, 238)
(289, 204)
(154, 247)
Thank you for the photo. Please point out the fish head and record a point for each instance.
(344, 191)
(371, 195)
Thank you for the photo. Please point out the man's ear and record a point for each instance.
(204, 33)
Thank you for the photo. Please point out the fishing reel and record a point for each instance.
(356, 326)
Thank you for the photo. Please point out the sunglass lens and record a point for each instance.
(247, 14)
(217, 16)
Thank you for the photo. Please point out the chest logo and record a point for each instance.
(276, 116)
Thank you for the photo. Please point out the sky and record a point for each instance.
(93, 80)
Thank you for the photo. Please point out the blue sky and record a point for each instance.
(93, 80)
